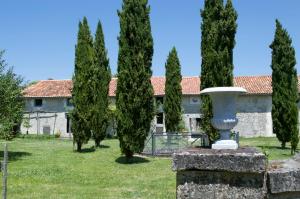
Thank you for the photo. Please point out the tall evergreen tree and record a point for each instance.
(228, 31)
(285, 92)
(173, 94)
(100, 84)
(82, 94)
(218, 30)
(134, 96)
(211, 15)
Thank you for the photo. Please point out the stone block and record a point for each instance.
(225, 185)
(284, 179)
(247, 160)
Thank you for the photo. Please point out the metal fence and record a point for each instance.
(164, 144)
(4, 163)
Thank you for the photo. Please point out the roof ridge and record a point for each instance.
(45, 80)
(252, 76)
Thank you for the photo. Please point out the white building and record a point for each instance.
(48, 104)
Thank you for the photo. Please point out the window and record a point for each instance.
(198, 123)
(160, 118)
(194, 100)
(69, 102)
(46, 130)
(38, 102)
(68, 124)
(159, 100)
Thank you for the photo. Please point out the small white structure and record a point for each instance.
(224, 111)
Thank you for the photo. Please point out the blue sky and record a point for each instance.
(39, 36)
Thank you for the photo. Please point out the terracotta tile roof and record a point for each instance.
(190, 86)
(49, 88)
(254, 84)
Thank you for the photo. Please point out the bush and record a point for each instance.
(57, 134)
(35, 136)
(6, 130)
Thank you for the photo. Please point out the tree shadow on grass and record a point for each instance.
(133, 160)
(14, 155)
(103, 146)
(88, 150)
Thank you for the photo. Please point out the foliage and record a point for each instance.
(100, 79)
(26, 123)
(218, 32)
(173, 92)
(12, 104)
(36, 136)
(134, 95)
(57, 134)
(285, 91)
(82, 93)
(80, 130)
(112, 115)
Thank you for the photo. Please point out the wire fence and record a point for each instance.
(4, 163)
(165, 144)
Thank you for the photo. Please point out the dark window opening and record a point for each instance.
(198, 123)
(160, 118)
(68, 124)
(69, 102)
(159, 100)
(38, 102)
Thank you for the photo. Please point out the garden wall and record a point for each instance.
(234, 174)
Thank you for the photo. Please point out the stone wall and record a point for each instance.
(235, 174)
(284, 179)
(215, 174)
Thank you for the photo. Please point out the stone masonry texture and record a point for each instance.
(235, 174)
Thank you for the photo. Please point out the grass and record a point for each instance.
(48, 168)
(270, 146)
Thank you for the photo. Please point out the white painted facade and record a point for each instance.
(254, 114)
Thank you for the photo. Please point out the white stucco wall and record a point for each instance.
(253, 112)
(254, 115)
(52, 114)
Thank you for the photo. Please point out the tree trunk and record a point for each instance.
(97, 143)
(282, 145)
(79, 146)
(128, 153)
(292, 152)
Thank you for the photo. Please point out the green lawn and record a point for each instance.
(48, 168)
(269, 146)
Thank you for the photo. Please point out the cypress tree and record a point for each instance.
(82, 94)
(218, 30)
(285, 91)
(173, 94)
(211, 15)
(228, 31)
(100, 84)
(134, 95)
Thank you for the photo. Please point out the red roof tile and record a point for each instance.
(49, 88)
(190, 86)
